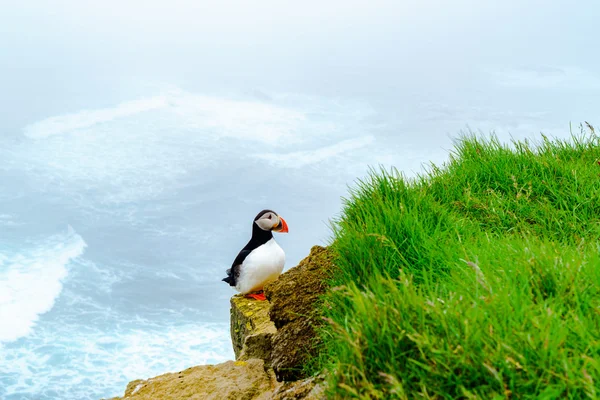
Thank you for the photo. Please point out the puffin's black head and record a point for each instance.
(268, 220)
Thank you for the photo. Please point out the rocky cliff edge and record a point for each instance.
(272, 341)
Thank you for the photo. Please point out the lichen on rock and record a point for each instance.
(251, 328)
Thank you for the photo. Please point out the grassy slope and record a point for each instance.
(479, 280)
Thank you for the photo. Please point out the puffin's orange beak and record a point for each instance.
(284, 226)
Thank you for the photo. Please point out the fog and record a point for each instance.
(58, 56)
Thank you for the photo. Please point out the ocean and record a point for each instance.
(118, 224)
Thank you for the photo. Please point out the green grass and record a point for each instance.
(479, 279)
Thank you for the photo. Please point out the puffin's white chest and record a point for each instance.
(263, 265)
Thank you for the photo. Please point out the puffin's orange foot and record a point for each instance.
(257, 296)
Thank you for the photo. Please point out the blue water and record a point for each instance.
(120, 222)
(138, 141)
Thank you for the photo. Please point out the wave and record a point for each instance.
(31, 280)
(87, 364)
(224, 118)
(138, 149)
(84, 119)
(299, 159)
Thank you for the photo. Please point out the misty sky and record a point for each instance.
(65, 55)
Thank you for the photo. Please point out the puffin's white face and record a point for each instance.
(272, 222)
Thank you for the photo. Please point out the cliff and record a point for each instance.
(272, 341)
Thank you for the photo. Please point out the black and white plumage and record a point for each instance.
(261, 261)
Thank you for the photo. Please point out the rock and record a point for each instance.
(295, 312)
(231, 380)
(306, 389)
(251, 328)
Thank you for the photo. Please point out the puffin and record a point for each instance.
(261, 261)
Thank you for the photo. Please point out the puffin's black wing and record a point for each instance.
(233, 273)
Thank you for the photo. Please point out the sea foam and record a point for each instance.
(59, 362)
(31, 280)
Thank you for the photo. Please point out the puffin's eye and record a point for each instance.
(270, 216)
